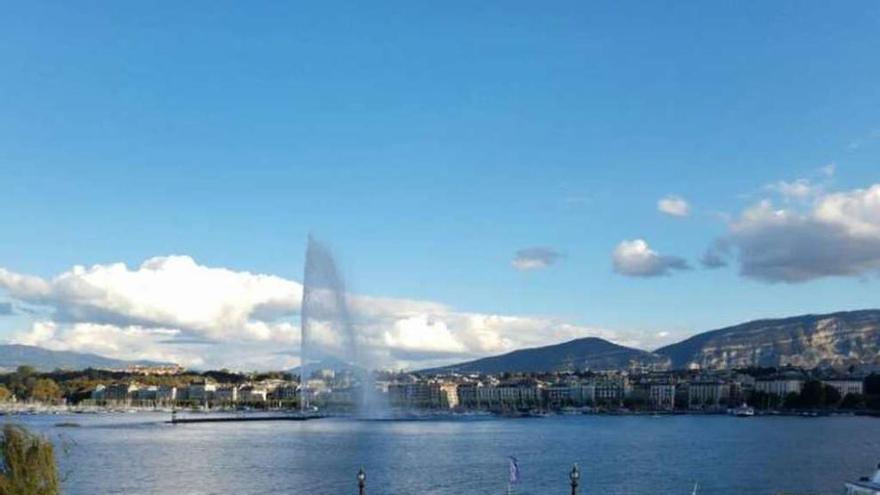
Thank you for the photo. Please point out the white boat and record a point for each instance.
(865, 486)
(743, 411)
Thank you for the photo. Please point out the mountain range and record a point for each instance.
(837, 339)
(15, 355)
(586, 353)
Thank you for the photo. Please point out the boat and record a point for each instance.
(743, 411)
(865, 485)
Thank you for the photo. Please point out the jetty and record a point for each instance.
(241, 418)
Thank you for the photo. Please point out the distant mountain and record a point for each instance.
(576, 355)
(810, 340)
(329, 363)
(15, 355)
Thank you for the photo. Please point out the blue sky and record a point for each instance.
(427, 143)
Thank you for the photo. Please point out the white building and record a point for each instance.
(780, 386)
(846, 386)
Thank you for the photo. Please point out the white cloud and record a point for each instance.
(836, 234)
(131, 342)
(170, 291)
(799, 189)
(636, 259)
(174, 309)
(674, 205)
(535, 258)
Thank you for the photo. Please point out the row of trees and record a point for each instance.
(27, 384)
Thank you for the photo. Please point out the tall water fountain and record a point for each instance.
(328, 333)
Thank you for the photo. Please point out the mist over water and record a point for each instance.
(328, 332)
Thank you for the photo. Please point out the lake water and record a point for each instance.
(138, 453)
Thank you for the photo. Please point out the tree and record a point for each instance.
(831, 395)
(813, 394)
(5, 394)
(792, 400)
(872, 384)
(853, 401)
(45, 390)
(28, 464)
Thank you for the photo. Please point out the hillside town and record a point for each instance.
(617, 391)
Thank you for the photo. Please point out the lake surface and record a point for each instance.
(632, 455)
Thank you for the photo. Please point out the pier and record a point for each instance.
(232, 419)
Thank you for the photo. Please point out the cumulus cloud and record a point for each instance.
(535, 258)
(170, 292)
(175, 309)
(836, 234)
(636, 259)
(674, 206)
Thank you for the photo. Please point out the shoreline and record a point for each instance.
(258, 414)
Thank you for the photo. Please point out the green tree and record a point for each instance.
(27, 464)
(831, 396)
(854, 401)
(872, 384)
(813, 394)
(791, 401)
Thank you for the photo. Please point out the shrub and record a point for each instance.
(27, 464)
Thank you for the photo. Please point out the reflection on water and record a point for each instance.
(139, 453)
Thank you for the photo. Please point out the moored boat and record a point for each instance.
(743, 411)
(866, 485)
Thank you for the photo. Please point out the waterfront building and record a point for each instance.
(166, 393)
(433, 395)
(780, 385)
(121, 392)
(467, 395)
(611, 389)
(226, 395)
(846, 386)
(201, 391)
(146, 394)
(582, 393)
(661, 396)
(708, 393)
(251, 393)
(286, 392)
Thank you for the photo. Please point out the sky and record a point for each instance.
(489, 176)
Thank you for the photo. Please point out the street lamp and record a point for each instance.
(574, 476)
(362, 480)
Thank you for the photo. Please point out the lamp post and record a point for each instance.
(574, 476)
(362, 480)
